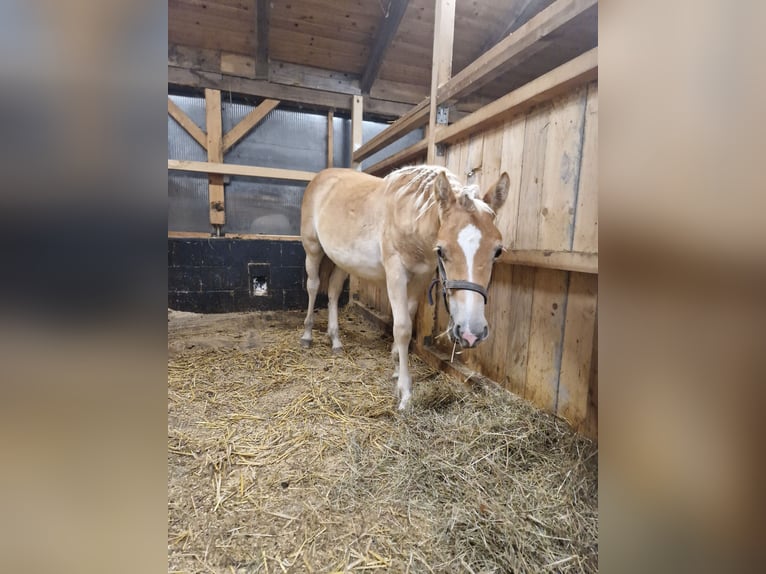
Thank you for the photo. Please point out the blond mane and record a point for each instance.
(414, 183)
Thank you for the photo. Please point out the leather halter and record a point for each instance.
(449, 284)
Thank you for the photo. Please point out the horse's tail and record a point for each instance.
(326, 268)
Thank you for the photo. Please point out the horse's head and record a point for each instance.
(467, 245)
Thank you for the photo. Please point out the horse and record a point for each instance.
(397, 230)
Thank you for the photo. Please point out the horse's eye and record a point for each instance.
(498, 252)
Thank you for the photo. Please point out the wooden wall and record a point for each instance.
(542, 321)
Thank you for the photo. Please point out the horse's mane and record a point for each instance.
(414, 183)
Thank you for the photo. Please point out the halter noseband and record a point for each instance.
(448, 284)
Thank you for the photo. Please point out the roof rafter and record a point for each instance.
(385, 36)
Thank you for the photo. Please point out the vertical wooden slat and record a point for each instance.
(511, 162)
(356, 127)
(533, 165)
(441, 67)
(330, 142)
(213, 123)
(586, 216)
(545, 337)
(561, 172)
(572, 403)
(517, 353)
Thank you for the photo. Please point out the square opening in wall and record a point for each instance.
(259, 275)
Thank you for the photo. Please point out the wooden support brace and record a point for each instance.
(215, 154)
(356, 127)
(186, 123)
(248, 123)
(330, 139)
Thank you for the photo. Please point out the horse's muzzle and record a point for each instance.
(465, 337)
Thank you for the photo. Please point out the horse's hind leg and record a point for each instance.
(334, 289)
(313, 260)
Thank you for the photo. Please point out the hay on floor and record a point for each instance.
(290, 460)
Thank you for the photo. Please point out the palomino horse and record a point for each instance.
(397, 230)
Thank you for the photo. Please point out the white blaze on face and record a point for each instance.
(469, 240)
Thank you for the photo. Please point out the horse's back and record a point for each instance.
(342, 213)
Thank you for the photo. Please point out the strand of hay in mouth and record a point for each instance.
(283, 459)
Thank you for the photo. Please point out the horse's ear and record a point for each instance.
(443, 191)
(496, 196)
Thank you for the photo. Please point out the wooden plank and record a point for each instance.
(330, 139)
(413, 118)
(576, 72)
(520, 13)
(579, 327)
(386, 33)
(511, 162)
(545, 338)
(533, 164)
(408, 154)
(248, 123)
(589, 426)
(237, 65)
(263, 11)
(520, 305)
(527, 40)
(187, 124)
(195, 234)
(244, 170)
(441, 69)
(357, 110)
(213, 123)
(546, 259)
(561, 172)
(319, 99)
(586, 215)
(316, 78)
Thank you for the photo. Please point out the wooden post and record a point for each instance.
(215, 154)
(330, 142)
(441, 70)
(356, 128)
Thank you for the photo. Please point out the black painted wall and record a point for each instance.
(215, 275)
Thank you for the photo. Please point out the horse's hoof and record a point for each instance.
(337, 350)
(306, 343)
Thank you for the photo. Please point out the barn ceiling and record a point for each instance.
(382, 48)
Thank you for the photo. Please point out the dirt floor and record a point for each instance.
(282, 459)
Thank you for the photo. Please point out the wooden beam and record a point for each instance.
(198, 234)
(385, 36)
(248, 123)
(214, 125)
(527, 40)
(263, 15)
(441, 68)
(580, 70)
(235, 169)
(519, 14)
(356, 127)
(562, 260)
(414, 118)
(408, 154)
(330, 139)
(320, 99)
(187, 124)
(316, 78)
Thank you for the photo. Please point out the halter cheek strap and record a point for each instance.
(449, 284)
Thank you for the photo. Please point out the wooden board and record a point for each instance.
(561, 172)
(213, 123)
(533, 165)
(187, 124)
(248, 123)
(572, 401)
(511, 162)
(441, 69)
(545, 337)
(235, 169)
(586, 216)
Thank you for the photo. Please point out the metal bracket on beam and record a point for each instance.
(442, 115)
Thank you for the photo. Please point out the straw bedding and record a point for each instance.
(282, 459)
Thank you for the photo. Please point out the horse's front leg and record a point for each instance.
(396, 284)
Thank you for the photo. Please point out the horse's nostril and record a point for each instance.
(485, 333)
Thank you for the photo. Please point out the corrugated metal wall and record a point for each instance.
(286, 139)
